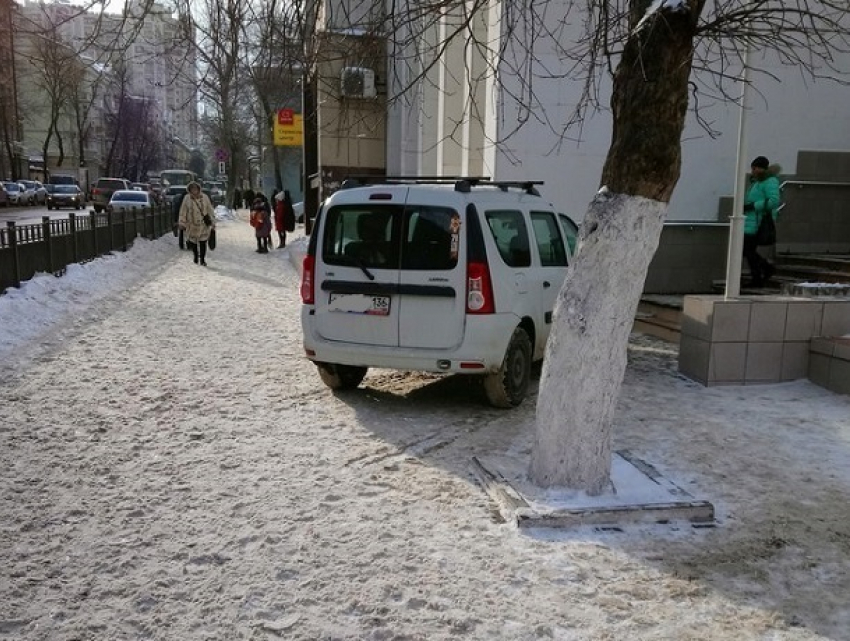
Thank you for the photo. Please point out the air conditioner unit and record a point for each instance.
(357, 82)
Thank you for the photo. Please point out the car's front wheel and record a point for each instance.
(341, 376)
(508, 387)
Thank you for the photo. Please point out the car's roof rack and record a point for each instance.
(463, 184)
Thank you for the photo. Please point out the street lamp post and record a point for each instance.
(736, 220)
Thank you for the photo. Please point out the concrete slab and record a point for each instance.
(640, 494)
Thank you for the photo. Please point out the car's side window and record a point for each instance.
(571, 230)
(362, 236)
(511, 236)
(550, 243)
(431, 238)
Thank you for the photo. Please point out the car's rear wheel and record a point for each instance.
(97, 209)
(508, 387)
(341, 376)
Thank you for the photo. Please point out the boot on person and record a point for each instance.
(282, 237)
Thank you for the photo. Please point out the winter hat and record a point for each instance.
(761, 162)
(193, 184)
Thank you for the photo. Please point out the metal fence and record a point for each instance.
(51, 245)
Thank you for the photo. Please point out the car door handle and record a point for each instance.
(546, 284)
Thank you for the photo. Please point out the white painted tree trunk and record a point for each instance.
(587, 349)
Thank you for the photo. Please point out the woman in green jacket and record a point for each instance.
(762, 199)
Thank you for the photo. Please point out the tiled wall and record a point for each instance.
(829, 364)
(764, 339)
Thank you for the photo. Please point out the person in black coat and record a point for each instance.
(176, 200)
(237, 198)
(248, 198)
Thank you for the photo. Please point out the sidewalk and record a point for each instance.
(172, 468)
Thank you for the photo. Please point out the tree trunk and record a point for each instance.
(586, 353)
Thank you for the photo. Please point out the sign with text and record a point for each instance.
(288, 128)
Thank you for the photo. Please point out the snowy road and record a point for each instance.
(172, 468)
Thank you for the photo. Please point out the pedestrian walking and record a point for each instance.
(237, 198)
(248, 198)
(762, 200)
(284, 216)
(176, 202)
(197, 218)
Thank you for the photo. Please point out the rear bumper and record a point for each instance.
(482, 350)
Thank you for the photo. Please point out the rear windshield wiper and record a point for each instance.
(357, 262)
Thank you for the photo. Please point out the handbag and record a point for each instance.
(766, 233)
(211, 239)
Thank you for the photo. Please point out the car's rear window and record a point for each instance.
(110, 184)
(131, 196)
(391, 236)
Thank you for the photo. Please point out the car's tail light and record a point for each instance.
(308, 280)
(479, 289)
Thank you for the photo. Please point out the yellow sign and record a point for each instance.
(288, 129)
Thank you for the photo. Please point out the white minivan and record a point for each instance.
(438, 275)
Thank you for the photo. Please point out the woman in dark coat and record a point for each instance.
(248, 197)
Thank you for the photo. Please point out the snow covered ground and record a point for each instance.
(172, 468)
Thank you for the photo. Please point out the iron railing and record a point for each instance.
(53, 244)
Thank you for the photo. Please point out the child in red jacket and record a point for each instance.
(262, 223)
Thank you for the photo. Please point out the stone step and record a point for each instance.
(660, 316)
(839, 263)
(811, 274)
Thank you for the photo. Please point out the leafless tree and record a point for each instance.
(134, 151)
(66, 49)
(273, 63)
(55, 70)
(659, 58)
(216, 28)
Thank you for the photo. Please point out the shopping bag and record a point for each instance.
(766, 233)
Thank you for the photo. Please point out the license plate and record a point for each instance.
(359, 304)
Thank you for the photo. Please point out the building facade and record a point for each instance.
(104, 62)
(456, 120)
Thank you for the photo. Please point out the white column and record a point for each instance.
(736, 220)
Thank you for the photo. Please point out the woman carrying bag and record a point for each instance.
(761, 202)
(197, 218)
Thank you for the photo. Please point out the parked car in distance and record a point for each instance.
(215, 191)
(4, 196)
(59, 179)
(422, 275)
(156, 189)
(104, 188)
(16, 193)
(36, 192)
(298, 208)
(65, 196)
(129, 199)
(29, 197)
